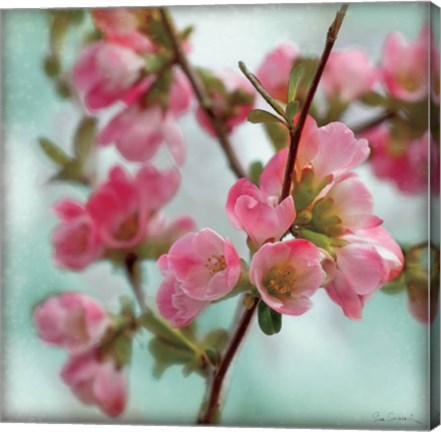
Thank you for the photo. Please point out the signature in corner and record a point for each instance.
(377, 416)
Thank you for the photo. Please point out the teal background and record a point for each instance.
(322, 370)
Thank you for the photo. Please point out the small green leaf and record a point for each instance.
(216, 340)
(396, 286)
(85, 138)
(53, 152)
(270, 321)
(52, 66)
(374, 99)
(71, 172)
(254, 171)
(291, 111)
(295, 78)
(261, 116)
(185, 34)
(278, 135)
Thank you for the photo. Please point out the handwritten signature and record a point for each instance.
(393, 417)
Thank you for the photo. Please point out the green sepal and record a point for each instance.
(319, 239)
(306, 190)
(254, 171)
(270, 321)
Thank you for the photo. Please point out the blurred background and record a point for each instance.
(322, 370)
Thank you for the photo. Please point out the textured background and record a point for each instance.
(322, 369)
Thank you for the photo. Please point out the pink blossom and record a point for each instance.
(394, 158)
(287, 274)
(206, 266)
(105, 71)
(76, 242)
(352, 203)
(97, 381)
(230, 112)
(348, 75)
(328, 150)
(369, 260)
(72, 320)
(405, 66)
(260, 215)
(275, 69)
(173, 303)
(122, 206)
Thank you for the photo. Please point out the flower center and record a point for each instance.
(281, 281)
(128, 229)
(215, 264)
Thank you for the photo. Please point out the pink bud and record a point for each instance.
(71, 320)
(287, 274)
(96, 381)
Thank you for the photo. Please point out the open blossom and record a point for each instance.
(347, 204)
(259, 214)
(138, 130)
(370, 259)
(76, 242)
(71, 320)
(231, 112)
(348, 75)
(122, 206)
(405, 66)
(207, 266)
(328, 150)
(105, 72)
(394, 158)
(288, 273)
(97, 381)
(173, 303)
(275, 69)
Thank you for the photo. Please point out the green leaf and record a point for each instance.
(254, 171)
(121, 350)
(291, 111)
(216, 340)
(278, 135)
(159, 91)
(167, 355)
(374, 99)
(53, 152)
(270, 321)
(85, 138)
(295, 78)
(210, 81)
(396, 286)
(261, 116)
(185, 34)
(52, 66)
(71, 172)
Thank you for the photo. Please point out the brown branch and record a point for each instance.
(213, 403)
(133, 271)
(201, 94)
(388, 115)
(296, 132)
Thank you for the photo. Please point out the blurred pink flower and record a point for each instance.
(287, 273)
(122, 206)
(260, 215)
(404, 161)
(105, 71)
(97, 381)
(206, 266)
(76, 242)
(139, 130)
(405, 66)
(370, 259)
(275, 69)
(71, 320)
(348, 75)
(173, 303)
(232, 113)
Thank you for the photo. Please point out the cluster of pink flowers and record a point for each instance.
(78, 323)
(121, 213)
(403, 78)
(339, 246)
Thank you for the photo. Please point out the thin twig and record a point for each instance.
(133, 271)
(387, 115)
(213, 402)
(296, 132)
(201, 94)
